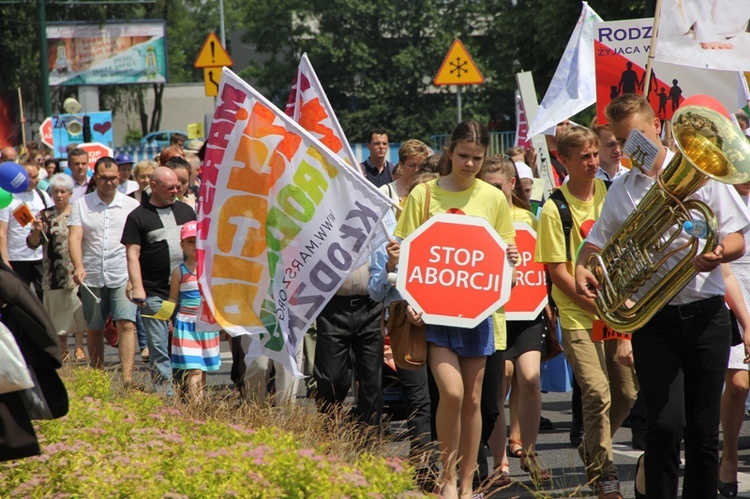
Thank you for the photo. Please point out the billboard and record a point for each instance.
(620, 54)
(107, 54)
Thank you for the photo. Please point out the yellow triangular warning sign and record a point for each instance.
(458, 68)
(212, 55)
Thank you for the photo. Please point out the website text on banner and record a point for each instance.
(282, 222)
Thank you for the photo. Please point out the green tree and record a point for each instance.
(376, 59)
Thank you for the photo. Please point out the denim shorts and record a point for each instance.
(475, 342)
(113, 302)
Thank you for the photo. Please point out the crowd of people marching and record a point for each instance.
(114, 248)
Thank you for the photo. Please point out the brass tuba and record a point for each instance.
(710, 146)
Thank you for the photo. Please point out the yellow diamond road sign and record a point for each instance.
(458, 68)
(212, 54)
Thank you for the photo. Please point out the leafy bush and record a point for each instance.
(132, 444)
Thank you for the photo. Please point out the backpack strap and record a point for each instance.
(566, 218)
(39, 193)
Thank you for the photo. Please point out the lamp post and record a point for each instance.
(46, 105)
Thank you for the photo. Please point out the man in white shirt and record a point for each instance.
(683, 350)
(610, 153)
(96, 222)
(16, 224)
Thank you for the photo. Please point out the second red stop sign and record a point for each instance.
(453, 268)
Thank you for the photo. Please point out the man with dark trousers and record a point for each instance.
(683, 350)
(349, 341)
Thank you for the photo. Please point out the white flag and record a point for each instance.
(573, 88)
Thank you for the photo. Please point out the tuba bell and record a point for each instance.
(710, 147)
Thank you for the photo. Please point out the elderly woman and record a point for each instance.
(60, 292)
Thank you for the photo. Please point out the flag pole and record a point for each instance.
(651, 50)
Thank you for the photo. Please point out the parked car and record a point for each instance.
(161, 137)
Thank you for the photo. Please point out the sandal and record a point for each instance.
(80, 355)
(515, 448)
(530, 465)
(500, 476)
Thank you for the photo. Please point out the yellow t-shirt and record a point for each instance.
(550, 247)
(482, 200)
(521, 215)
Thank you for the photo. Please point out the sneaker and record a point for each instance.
(608, 488)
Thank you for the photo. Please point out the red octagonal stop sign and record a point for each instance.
(529, 296)
(95, 151)
(453, 269)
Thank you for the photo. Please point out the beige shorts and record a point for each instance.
(65, 310)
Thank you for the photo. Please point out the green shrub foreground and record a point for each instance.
(115, 443)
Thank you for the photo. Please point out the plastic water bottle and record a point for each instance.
(697, 228)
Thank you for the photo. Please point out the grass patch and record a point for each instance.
(115, 443)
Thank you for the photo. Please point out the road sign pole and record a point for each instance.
(458, 69)
(458, 102)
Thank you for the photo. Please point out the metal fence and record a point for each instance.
(499, 141)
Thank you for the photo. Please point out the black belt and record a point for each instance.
(690, 310)
(351, 300)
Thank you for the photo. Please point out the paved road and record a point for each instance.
(553, 446)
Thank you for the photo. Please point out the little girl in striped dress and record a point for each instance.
(193, 353)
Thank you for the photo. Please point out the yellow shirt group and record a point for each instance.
(550, 246)
(482, 200)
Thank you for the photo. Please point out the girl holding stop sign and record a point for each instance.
(457, 356)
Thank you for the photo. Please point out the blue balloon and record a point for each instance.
(13, 177)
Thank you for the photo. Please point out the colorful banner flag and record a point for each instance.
(621, 54)
(709, 34)
(309, 106)
(282, 222)
(572, 88)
